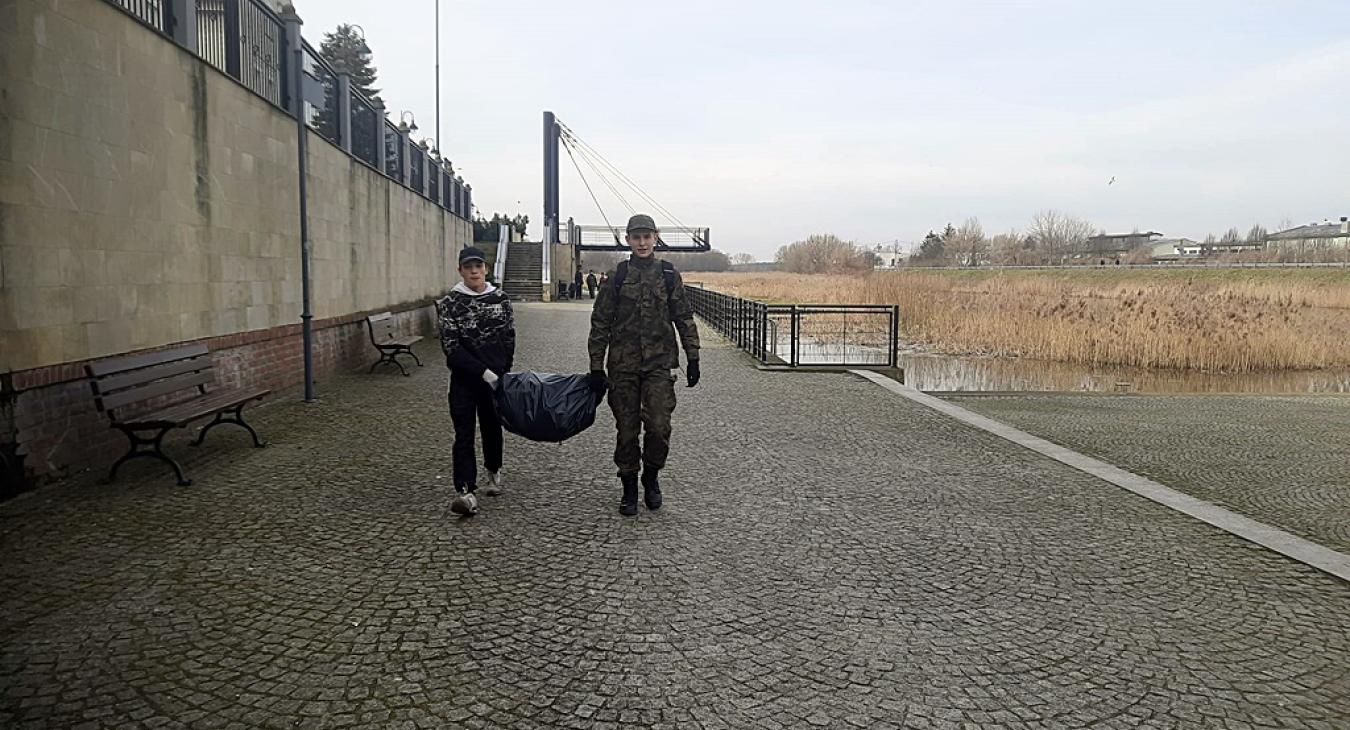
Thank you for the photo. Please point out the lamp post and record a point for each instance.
(438, 69)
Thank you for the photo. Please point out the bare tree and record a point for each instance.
(1231, 236)
(1257, 234)
(967, 245)
(824, 254)
(742, 258)
(1058, 235)
(1011, 249)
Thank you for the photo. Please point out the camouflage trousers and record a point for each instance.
(642, 402)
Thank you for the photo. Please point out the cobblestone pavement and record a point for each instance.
(1282, 460)
(829, 556)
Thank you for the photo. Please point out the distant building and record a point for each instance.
(1171, 250)
(889, 256)
(1111, 245)
(1312, 236)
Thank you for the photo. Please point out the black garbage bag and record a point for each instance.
(545, 406)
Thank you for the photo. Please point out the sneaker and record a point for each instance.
(465, 504)
(494, 484)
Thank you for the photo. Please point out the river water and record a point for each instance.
(953, 373)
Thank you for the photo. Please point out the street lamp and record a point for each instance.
(404, 119)
(365, 49)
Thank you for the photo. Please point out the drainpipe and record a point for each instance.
(293, 40)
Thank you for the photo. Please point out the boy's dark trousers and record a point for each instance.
(470, 397)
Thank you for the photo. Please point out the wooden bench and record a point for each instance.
(385, 337)
(146, 396)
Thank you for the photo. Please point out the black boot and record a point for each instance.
(651, 489)
(628, 507)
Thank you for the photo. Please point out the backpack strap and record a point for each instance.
(667, 275)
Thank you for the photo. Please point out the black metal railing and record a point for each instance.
(247, 41)
(320, 94)
(415, 159)
(795, 335)
(150, 12)
(366, 132)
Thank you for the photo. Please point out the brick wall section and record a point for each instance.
(61, 431)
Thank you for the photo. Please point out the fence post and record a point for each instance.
(468, 202)
(344, 110)
(233, 45)
(795, 330)
(381, 152)
(895, 335)
(184, 14)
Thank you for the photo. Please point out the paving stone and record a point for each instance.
(827, 554)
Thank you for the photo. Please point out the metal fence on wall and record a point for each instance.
(246, 41)
(795, 335)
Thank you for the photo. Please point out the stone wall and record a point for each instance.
(147, 199)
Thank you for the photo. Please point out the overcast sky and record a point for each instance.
(876, 121)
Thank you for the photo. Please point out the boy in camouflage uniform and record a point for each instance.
(635, 319)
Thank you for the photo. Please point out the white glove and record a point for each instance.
(490, 378)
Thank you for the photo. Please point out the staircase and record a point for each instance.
(524, 266)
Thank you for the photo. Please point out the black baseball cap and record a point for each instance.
(471, 254)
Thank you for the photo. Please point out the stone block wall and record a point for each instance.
(148, 200)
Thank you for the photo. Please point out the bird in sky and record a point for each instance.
(1112, 180)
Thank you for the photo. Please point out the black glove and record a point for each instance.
(598, 382)
(691, 373)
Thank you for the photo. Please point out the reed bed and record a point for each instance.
(1224, 320)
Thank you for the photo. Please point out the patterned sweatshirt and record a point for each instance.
(478, 330)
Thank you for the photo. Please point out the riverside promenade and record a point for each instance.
(830, 555)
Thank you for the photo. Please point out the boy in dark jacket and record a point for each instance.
(478, 335)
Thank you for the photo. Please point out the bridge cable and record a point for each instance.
(593, 198)
(603, 178)
(583, 145)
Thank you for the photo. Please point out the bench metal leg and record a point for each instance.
(236, 417)
(137, 450)
(389, 357)
(414, 357)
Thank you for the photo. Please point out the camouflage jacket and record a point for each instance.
(637, 325)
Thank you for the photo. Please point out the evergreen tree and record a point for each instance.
(347, 52)
(932, 248)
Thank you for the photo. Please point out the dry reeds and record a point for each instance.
(1227, 320)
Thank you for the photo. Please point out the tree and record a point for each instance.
(1231, 236)
(486, 230)
(1058, 235)
(932, 250)
(967, 244)
(347, 52)
(742, 259)
(823, 254)
(1257, 234)
(1011, 249)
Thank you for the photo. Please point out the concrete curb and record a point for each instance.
(1292, 546)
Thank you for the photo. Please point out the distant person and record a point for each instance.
(590, 283)
(576, 285)
(633, 327)
(604, 277)
(478, 336)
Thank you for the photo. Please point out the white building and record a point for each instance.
(1313, 236)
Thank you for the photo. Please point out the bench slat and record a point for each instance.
(183, 413)
(113, 383)
(115, 365)
(401, 341)
(154, 390)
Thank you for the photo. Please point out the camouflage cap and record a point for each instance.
(641, 222)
